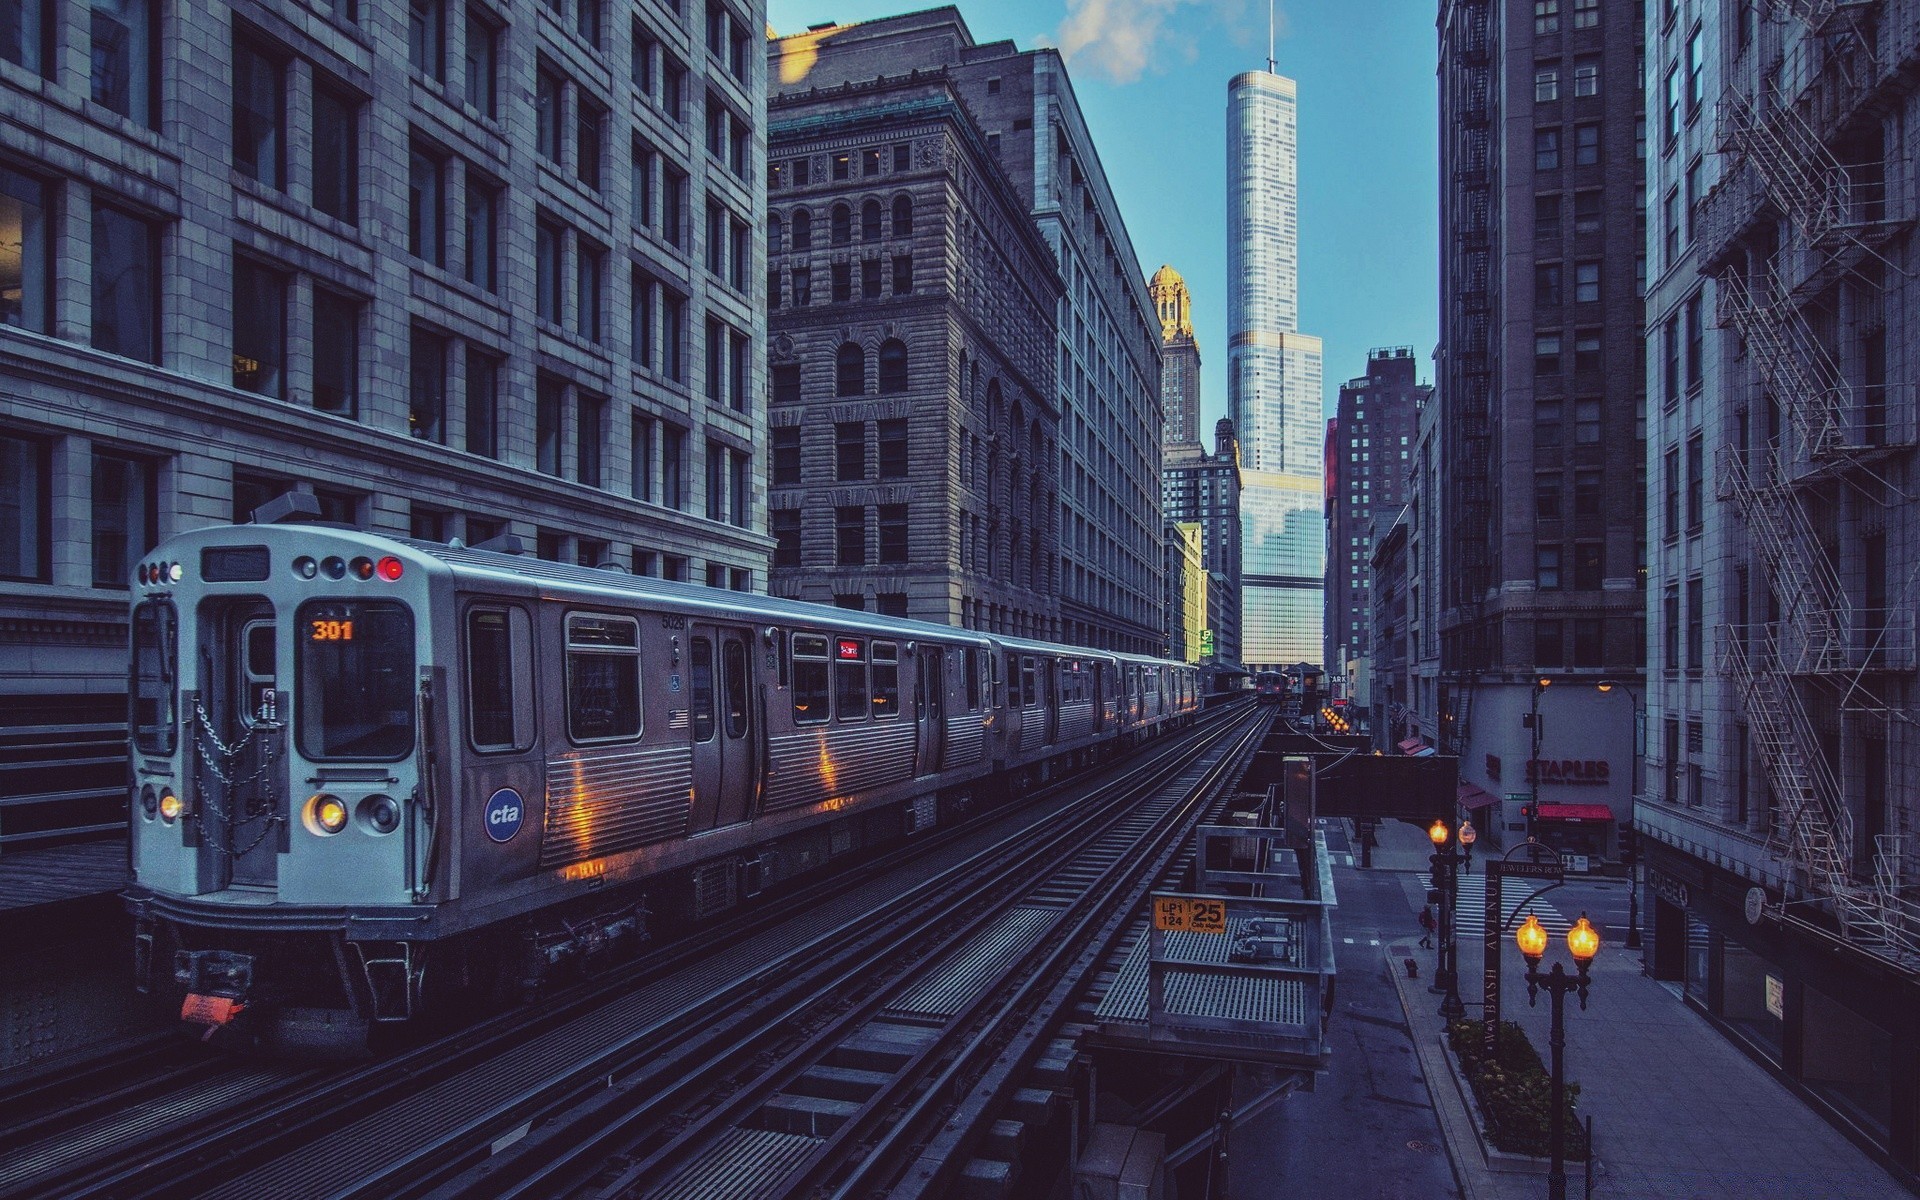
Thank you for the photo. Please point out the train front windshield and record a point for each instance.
(355, 681)
(155, 667)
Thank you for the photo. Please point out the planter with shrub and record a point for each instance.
(1514, 1092)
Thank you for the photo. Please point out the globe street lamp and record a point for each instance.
(1446, 974)
(1630, 854)
(1583, 942)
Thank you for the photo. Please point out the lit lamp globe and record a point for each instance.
(1467, 833)
(1583, 942)
(1532, 937)
(1438, 832)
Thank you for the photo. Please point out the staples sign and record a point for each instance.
(1567, 770)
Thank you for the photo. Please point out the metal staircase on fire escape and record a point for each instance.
(1467, 414)
(1833, 428)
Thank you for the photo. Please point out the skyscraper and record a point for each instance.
(1273, 384)
(1370, 465)
(1179, 360)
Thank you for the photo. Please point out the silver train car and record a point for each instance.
(373, 776)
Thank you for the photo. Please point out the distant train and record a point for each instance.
(1270, 687)
(372, 773)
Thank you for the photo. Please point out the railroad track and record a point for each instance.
(223, 1127)
(839, 1078)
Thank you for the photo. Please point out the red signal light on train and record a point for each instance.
(849, 648)
(390, 568)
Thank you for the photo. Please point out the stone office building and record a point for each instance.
(1105, 512)
(913, 426)
(457, 269)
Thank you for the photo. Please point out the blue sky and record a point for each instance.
(1152, 77)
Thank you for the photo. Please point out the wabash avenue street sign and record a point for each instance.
(1547, 867)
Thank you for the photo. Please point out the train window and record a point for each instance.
(355, 680)
(973, 679)
(603, 677)
(809, 679)
(850, 679)
(886, 680)
(499, 653)
(1013, 681)
(156, 662)
(1029, 681)
(700, 693)
(735, 683)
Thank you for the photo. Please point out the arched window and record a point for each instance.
(893, 365)
(776, 234)
(802, 229)
(850, 370)
(842, 224)
(870, 221)
(902, 216)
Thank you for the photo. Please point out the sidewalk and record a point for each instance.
(1678, 1110)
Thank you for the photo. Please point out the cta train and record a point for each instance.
(372, 774)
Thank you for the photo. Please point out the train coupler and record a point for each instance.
(216, 983)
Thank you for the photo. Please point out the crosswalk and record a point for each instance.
(1470, 912)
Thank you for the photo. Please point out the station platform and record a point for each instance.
(67, 877)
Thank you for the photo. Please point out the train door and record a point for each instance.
(239, 741)
(1050, 696)
(930, 707)
(720, 704)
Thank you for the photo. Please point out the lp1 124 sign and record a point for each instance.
(1189, 914)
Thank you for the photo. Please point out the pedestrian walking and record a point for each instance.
(1426, 926)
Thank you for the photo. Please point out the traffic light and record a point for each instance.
(1433, 895)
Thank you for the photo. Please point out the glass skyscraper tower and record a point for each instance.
(1273, 383)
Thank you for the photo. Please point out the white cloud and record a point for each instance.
(1124, 39)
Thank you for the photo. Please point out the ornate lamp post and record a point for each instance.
(1631, 854)
(1446, 974)
(1583, 942)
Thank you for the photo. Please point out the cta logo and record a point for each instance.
(505, 812)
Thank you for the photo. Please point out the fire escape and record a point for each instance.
(1791, 133)
(1468, 413)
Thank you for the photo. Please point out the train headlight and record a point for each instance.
(381, 813)
(305, 567)
(326, 814)
(175, 572)
(149, 801)
(171, 806)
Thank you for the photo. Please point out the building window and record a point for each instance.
(336, 353)
(1672, 490)
(1546, 424)
(586, 21)
(673, 335)
(1692, 182)
(786, 536)
(1546, 495)
(1546, 354)
(336, 154)
(1586, 350)
(673, 467)
(1546, 285)
(1586, 75)
(642, 331)
(483, 391)
(259, 116)
(125, 516)
(549, 288)
(802, 286)
(786, 383)
(427, 37)
(903, 274)
(1546, 17)
(869, 279)
(841, 225)
(1696, 71)
(259, 328)
(716, 372)
(589, 269)
(1586, 145)
(739, 350)
(1696, 341)
(902, 158)
(1586, 493)
(645, 163)
(870, 221)
(1587, 649)
(739, 486)
(1546, 568)
(547, 113)
(1696, 607)
(1546, 84)
(640, 458)
(842, 166)
(427, 387)
(1588, 564)
(1672, 126)
(849, 451)
(23, 34)
(893, 533)
(1670, 611)
(1586, 14)
(589, 123)
(481, 231)
(893, 366)
(549, 400)
(1549, 644)
(842, 275)
(802, 229)
(126, 282)
(1586, 283)
(1586, 212)
(1546, 217)
(1546, 149)
(741, 254)
(850, 370)
(25, 492)
(786, 455)
(850, 535)
(902, 216)
(1586, 422)
(893, 449)
(590, 437)
(426, 169)
(1696, 486)
(673, 207)
(482, 55)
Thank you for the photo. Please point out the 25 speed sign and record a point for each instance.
(1189, 915)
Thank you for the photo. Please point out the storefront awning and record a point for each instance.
(1472, 797)
(1575, 812)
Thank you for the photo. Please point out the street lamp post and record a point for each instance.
(1540, 684)
(1447, 974)
(1583, 942)
(1631, 854)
